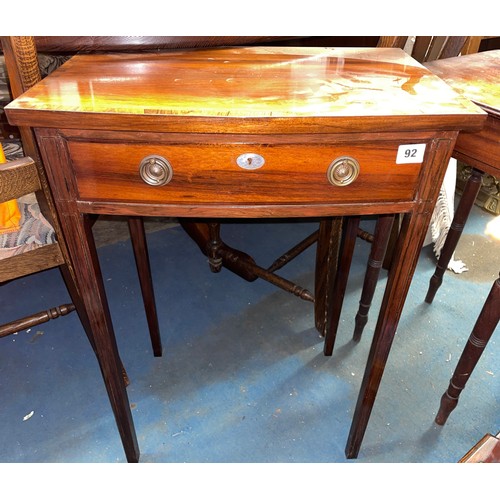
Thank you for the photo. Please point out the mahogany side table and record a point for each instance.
(477, 77)
(245, 132)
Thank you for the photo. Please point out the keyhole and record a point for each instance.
(250, 161)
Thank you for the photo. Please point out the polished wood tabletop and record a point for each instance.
(247, 132)
(287, 87)
(475, 76)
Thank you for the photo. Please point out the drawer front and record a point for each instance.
(242, 173)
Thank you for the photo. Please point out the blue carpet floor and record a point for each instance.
(243, 378)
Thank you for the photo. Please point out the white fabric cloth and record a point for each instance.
(442, 217)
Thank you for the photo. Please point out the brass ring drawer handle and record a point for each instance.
(343, 171)
(155, 170)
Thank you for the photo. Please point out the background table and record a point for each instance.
(477, 77)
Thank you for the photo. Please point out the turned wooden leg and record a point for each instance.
(139, 244)
(349, 234)
(236, 261)
(462, 213)
(35, 319)
(214, 245)
(383, 231)
(485, 325)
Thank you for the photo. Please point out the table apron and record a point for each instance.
(293, 176)
(248, 211)
(481, 149)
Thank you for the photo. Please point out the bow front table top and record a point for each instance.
(245, 132)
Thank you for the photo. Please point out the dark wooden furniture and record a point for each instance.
(475, 76)
(486, 451)
(485, 325)
(21, 55)
(67, 45)
(245, 132)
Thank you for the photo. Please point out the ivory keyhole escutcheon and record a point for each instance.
(250, 161)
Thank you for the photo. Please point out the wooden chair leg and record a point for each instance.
(349, 234)
(139, 244)
(464, 207)
(35, 319)
(481, 334)
(383, 232)
(214, 245)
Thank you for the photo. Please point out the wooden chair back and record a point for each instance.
(428, 48)
(23, 71)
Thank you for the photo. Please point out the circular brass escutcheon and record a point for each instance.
(155, 170)
(343, 171)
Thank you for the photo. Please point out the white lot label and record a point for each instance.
(410, 153)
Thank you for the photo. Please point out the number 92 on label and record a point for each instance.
(410, 153)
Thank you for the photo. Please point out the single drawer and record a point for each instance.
(197, 174)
